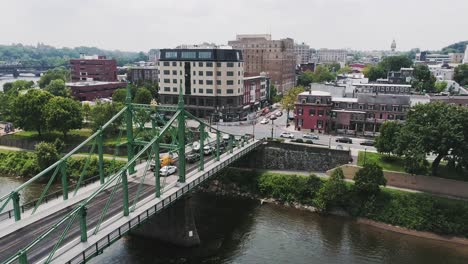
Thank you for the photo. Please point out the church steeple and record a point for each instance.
(393, 46)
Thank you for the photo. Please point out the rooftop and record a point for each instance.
(382, 84)
(89, 83)
(344, 99)
(316, 93)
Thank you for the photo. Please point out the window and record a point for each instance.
(218, 91)
(200, 64)
(370, 107)
(361, 106)
(209, 64)
(312, 111)
(171, 54)
(320, 112)
(350, 106)
(230, 64)
(200, 90)
(200, 81)
(229, 91)
(218, 73)
(174, 63)
(229, 73)
(194, 73)
(174, 89)
(167, 72)
(167, 80)
(300, 111)
(174, 80)
(204, 55)
(209, 82)
(194, 81)
(238, 73)
(238, 81)
(218, 82)
(194, 90)
(230, 82)
(209, 73)
(382, 108)
(218, 64)
(319, 124)
(167, 89)
(395, 108)
(174, 72)
(188, 55)
(391, 117)
(166, 63)
(209, 91)
(200, 73)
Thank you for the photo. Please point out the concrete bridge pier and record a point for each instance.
(175, 225)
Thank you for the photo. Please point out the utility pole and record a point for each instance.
(272, 123)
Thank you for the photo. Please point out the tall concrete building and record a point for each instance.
(275, 58)
(302, 52)
(332, 55)
(211, 81)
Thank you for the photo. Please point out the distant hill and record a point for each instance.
(458, 47)
(50, 56)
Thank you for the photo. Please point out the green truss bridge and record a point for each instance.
(86, 215)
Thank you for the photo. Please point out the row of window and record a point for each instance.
(201, 90)
(313, 111)
(202, 64)
(386, 89)
(394, 108)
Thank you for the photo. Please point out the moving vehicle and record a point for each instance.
(367, 143)
(192, 157)
(166, 160)
(264, 121)
(207, 150)
(287, 135)
(310, 136)
(344, 140)
(167, 170)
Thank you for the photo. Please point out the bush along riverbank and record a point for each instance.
(363, 199)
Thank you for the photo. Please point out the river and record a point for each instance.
(235, 230)
(9, 78)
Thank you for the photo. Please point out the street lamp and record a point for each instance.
(365, 152)
(272, 123)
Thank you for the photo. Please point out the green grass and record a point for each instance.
(396, 164)
(73, 136)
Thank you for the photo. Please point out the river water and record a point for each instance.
(235, 230)
(9, 78)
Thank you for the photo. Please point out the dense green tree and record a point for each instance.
(458, 47)
(333, 67)
(461, 74)
(103, 112)
(16, 86)
(54, 74)
(374, 73)
(86, 107)
(290, 98)
(440, 86)
(369, 179)
(305, 78)
(345, 70)
(333, 191)
(395, 63)
(28, 110)
(119, 95)
(46, 154)
(435, 128)
(423, 80)
(323, 74)
(63, 114)
(57, 87)
(385, 142)
(143, 96)
(274, 96)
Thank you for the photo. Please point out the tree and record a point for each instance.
(305, 78)
(63, 114)
(395, 63)
(16, 86)
(102, 112)
(423, 79)
(432, 128)
(57, 87)
(46, 154)
(290, 98)
(86, 108)
(374, 73)
(345, 70)
(461, 74)
(323, 74)
(28, 110)
(274, 97)
(440, 86)
(54, 74)
(369, 179)
(332, 192)
(334, 67)
(143, 96)
(385, 142)
(119, 95)
(458, 47)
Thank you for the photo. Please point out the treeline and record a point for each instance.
(46, 55)
(364, 198)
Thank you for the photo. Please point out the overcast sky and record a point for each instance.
(136, 25)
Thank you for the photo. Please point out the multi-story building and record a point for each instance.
(211, 81)
(144, 73)
(332, 55)
(456, 57)
(154, 55)
(443, 72)
(382, 88)
(275, 58)
(403, 76)
(256, 92)
(320, 112)
(465, 58)
(302, 52)
(93, 68)
(432, 58)
(91, 90)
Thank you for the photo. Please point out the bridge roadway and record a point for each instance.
(13, 242)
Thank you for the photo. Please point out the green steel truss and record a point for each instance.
(147, 135)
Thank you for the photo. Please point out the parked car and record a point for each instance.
(273, 117)
(344, 140)
(310, 136)
(279, 113)
(192, 157)
(339, 147)
(167, 170)
(207, 150)
(264, 121)
(287, 135)
(367, 143)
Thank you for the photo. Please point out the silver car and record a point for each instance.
(167, 170)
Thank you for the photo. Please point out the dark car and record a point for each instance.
(367, 143)
(193, 157)
(344, 140)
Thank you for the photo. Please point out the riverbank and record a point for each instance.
(416, 214)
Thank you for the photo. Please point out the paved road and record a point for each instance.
(12, 243)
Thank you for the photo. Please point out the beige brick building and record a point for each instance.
(276, 58)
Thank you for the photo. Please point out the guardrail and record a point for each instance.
(98, 247)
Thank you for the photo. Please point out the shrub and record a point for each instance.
(288, 188)
(368, 179)
(299, 140)
(309, 141)
(332, 192)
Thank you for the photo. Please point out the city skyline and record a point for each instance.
(349, 24)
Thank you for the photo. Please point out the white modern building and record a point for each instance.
(332, 55)
(302, 52)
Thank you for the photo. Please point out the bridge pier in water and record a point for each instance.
(175, 225)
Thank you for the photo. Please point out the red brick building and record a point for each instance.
(256, 89)
(313, 111)
(93, 68)
(89, 91)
